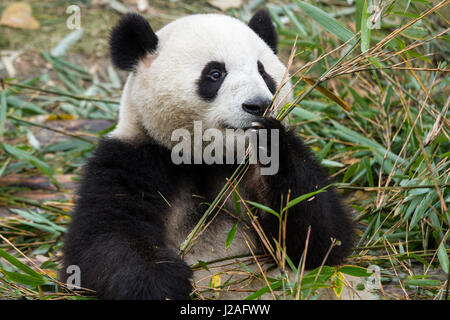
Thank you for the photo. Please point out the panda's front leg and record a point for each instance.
(299, 173)
(127, 260)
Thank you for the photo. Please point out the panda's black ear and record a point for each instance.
(131, 40)
(262, 24)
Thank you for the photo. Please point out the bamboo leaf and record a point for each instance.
(40, 220)
(324, 152)
(67, 42)
(415, 33)
(443, 258)
(3, 107)
(366, 163)
(301, 198)
(355, 271)
(264, 208)
(260, 292)
(338, 284)
(203, 265)
(420, 211)
(356, 137)
(326, 21)
(24, 278)
(230, 236)
(305, 114)
(327, 93)
(359, 4)
(21, 266)
(23, 155)
(318, 276)
(351, 171)
(365, 31)
(294, 20)
(423, 282)
(331, 164)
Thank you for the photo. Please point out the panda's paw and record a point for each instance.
(160, 276)
(170, 277)
(271, 136)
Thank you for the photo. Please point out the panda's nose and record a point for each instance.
(256, 106)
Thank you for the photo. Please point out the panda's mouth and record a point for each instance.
(254, 124)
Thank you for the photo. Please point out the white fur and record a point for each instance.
(162, 94)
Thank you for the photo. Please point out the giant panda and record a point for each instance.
(135, 206)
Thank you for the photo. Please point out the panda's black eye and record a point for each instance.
(215, 75)
(212, 77)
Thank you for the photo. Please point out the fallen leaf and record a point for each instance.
(18, 15)
(224, 5)
(64, 117)
(216, 281)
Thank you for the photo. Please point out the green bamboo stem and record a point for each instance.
(59, 93)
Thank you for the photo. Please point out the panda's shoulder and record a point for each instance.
(116, 164)
(115, 152)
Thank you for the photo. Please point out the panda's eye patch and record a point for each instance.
(211, 79)
(270, 82)
(261, 69)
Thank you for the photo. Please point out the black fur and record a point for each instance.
(207, 87)
(131, 39)
(270, 82)
(262, 24)
(116, 236)
(117, 233)
(300, 173)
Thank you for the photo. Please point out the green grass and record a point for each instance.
(372, 104)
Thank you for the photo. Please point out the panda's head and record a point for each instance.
(210, 68)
